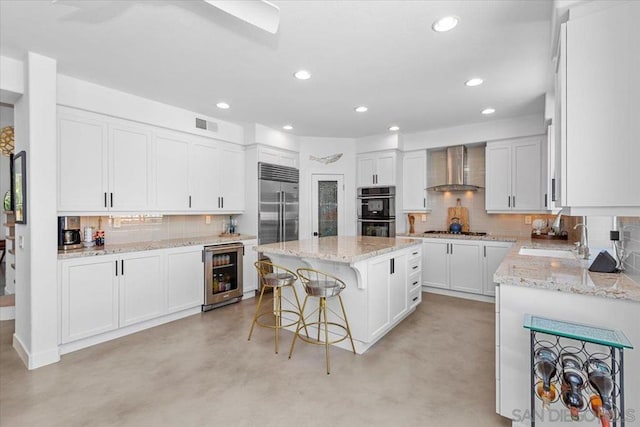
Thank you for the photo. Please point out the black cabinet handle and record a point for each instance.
(415, 267)
(105, 199)
(485, 251)
(415, 298)
(222, 199)
(424, 202)
(514, 201)
(451, 248)
(415, 283)
(553, 189)
(116, 268)
(111, 199)
(545, 200)
(189, 201)
(122, 267)
(508, 201)
(392, 265)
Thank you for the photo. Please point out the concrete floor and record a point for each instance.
(435, 369)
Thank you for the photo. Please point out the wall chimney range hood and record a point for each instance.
(457, 171)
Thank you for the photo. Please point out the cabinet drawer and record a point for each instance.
(414, 281)
(415, 297)
(415, 254)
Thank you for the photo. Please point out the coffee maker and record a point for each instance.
(69, 233)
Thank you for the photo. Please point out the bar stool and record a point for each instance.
(275, 277)
(322, 286)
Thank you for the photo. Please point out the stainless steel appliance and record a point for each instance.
(377, 211)
(457, 171)
(278, 203)
(69, 233)
(222, 275)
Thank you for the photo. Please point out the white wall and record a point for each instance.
(36, 327)
(321, 147)
(11, 79)
(476, 132)
(77, 93)
(384, 141)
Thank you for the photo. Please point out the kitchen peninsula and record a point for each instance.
(383, 277)
(561, 289)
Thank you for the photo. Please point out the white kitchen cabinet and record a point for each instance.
(249, 272)
(185, 278)
(453, 264)
(204, 185)
(493, 254)
(88, 297)
(435, 262)
(82, 164)
(465, 267)
(277, 157)
(514, 176)
(398, 287)
(377, 169)
(379, 295)
(414, 181)
(231, 178)
(129, 168)
(172, 173)
(142, 287)
(601, 125)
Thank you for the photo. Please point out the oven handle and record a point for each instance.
(376, 220)
(375, 197)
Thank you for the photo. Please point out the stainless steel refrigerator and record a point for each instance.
(278, 209)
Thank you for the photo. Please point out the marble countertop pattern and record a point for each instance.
(490, 238)
(343, 249)
(561, 274)
(150, 246)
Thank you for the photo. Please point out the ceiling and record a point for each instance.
(382, 54)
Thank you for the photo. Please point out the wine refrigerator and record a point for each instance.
(222, 275)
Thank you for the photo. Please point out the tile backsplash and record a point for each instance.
(142, 228)
(630, 235)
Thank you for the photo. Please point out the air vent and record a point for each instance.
(206, 125)
(277, 173)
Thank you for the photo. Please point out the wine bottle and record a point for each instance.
(602, 382)
(545, 367)
(599, 410)
(573, 382)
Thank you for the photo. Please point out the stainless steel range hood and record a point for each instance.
(457, 171)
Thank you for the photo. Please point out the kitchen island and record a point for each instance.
(383, 277)
(561, 289)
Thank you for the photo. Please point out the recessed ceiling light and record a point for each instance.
(287, 127)
(302, 75)
(222, 105)
(446, 23)
(394, 128)
(488, 111)
(361, 109)
(474, 82)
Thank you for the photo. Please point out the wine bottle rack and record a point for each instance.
(586, 343)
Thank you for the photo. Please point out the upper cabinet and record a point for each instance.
(377, 169)
(514, 176)
(278, 157)
(112, 165)
(414, 181)
(599, 101)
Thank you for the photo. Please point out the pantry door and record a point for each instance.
(327, 210)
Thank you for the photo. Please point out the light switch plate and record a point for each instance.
(423, 218)
(527, 219)
(207, 219)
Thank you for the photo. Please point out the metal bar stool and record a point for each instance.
(322, 286)
(275, 277)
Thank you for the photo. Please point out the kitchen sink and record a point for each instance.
(554, 253)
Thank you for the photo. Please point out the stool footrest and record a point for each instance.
(320, 326)
(272, 325)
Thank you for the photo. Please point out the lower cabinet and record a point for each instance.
(389, 288)
(462, 265)
(249, 272)
(103, 293)
(185, 278)
(89, 297)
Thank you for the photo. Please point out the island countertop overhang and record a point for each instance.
(340, 249)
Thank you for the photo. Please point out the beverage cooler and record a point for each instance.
(223, 275)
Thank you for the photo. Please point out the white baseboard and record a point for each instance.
(35, 360)
(457, 294)
(8, 313)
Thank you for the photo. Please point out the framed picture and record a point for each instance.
(20, 187)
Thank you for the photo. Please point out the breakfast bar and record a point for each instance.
(383, 277)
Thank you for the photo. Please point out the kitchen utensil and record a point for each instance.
(412, 220)
(460, 212)
(455, 226)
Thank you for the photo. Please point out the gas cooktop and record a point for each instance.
(464, 233)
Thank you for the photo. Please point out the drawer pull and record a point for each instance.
(414, 267)
(415, 283)
(415, 298)
(415, 253)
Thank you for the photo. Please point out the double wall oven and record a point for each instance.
(377, 211)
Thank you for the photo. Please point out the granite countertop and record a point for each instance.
(150, 245)
(344, 249)
(488, 237)
(560, 274)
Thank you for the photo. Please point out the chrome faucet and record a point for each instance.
(583, 247)
(556, 226)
